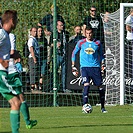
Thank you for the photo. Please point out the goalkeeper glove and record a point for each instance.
(103, 67)
(75, 71)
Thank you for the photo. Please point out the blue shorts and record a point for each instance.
(93, 73)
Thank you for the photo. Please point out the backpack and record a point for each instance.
(26, 51)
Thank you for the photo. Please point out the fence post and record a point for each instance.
(54, 56)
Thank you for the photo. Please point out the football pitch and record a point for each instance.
(71, 120)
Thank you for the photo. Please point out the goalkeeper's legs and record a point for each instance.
(102, 99)
(85, 93)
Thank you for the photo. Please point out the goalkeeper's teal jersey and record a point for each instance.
(91, 53)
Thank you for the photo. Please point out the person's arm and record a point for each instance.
(128, 23)
(31, 48)
(42, 21)
(39, 24)
(13, 43)
(102, 58)
(75, 51)
(73, 59)
(84, 27)
(33, 54)
(128, 28)
(100, 51)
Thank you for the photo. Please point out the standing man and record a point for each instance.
(62, 41)
(95, 22)
(129, 45)
(77, 31)
(34, 59)
(91, 57)
(48, 22)
(8, 88)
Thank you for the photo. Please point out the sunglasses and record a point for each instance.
(93, 10)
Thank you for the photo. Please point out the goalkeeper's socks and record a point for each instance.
(85, 94)
(102, 97)
(15, 120)
(25, 111)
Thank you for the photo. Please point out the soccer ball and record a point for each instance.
(87, 108)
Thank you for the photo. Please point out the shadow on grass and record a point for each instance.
(6, 132)
(98, 125)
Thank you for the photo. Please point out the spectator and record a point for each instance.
(107, 24)
(33, 59)
(129, 26)
(42, 41)
(17, 58)
(62, 41)
(91, 56)
(48, 21)
(77, 30)
(95, 22)
(129, 45)
(78, 35)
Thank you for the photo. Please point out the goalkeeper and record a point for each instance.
(91, 56)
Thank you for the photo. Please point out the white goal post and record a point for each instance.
(122, 29)
(118, 57)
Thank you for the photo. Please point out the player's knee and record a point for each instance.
(102, 91)
(21, 97)
(15, 103)
(86, 84)
(86, 90)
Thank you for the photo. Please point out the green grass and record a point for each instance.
(71, 120)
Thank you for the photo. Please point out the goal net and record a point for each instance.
(118, 55)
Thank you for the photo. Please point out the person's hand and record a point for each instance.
(35, 61)
(103, 67)
(47, 33)
(58, 45)
(75, 71)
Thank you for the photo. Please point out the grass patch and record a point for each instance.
(71, 120)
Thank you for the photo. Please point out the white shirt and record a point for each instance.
(13, 41)
(32, 42)
(12, 66)
(129, 21)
